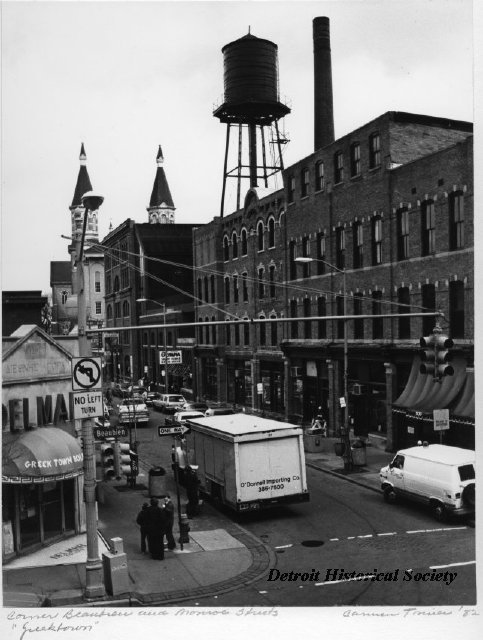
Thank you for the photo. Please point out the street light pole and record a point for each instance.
(94, 571)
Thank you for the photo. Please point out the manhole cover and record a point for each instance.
(312, 543)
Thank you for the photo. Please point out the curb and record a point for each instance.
(360, 483)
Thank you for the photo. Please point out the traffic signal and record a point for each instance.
(107, 461)
(427, 354)
(443, 356)
(122, 459)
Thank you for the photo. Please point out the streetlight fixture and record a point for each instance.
(165, 311)
(347, 452)
(94, 570)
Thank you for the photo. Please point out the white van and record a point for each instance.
(441, 476)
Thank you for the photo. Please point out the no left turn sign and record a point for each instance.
(86, 374)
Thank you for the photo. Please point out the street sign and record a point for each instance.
(441, 419)
(110, 432)
(88, 404)
(174, 357)
(342, 402)
(86, 374)
(172, 431)
(260, 387)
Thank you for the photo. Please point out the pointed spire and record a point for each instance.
(83, 181)
(82, 156)
(110, 226)
(161, 194)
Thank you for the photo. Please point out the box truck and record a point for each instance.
(246, 462)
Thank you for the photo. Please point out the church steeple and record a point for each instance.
(161, 207)
(77, 210)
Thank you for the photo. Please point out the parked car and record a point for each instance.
(441, 476)
(151, 397)
(120, 390)
(133, 409)
(219, 411)
(195, 406)
(180, 417)
(169, 402)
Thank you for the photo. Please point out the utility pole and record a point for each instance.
(94, 571)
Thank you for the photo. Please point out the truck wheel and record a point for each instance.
(439, 511)
(390, 495)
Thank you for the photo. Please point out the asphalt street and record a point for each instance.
(407, 558)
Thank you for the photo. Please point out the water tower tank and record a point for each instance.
(250, 82)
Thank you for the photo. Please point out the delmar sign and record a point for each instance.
(88, 404)
(441, 419)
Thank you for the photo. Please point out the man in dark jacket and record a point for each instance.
(142, 522)
(169, 510)
(156, 526)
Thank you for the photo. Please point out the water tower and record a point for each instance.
(251, 103)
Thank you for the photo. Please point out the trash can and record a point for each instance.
(313, 443)
(156, 482)
(359, 457)
(339, 448)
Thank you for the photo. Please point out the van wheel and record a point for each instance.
(439, 511)
(469, 495)
(390, 495)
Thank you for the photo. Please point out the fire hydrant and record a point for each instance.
(184, 527)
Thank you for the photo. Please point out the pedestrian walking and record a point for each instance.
(142, 521)
(169, 509)
(156, 522)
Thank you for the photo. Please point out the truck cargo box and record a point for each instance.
(248, 462)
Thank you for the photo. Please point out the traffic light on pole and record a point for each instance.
(107, 461)
(427, 354)
(443, 356)
(122, 459)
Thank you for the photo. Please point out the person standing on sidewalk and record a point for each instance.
(169, 509)
(141, 520)
(157, 524)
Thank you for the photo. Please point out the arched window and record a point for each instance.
(271, 232)
(125, 308)
(207, 331)
(206, 299)
(358, 310)
(403, 298)
(97, 282)
(235, 289)
(260, 230)
(273, 330)
(200, 290)
(304, 182)
(212, 286)
(227, 290)
(245, 286)
(228, 333)
(63, 296)
(226, 249)
(109, 312)
(307, 323)
(246, 332)
(294, 326)
(234, 243)
(321, 324)
(457, 308)
(377, 240)
(263, 331)
(116, 284)
(200, 330)
(244, 242)
(319, 176)
(456, 221)
(428, 228)
(213, 331)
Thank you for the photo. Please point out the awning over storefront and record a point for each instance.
(40, 455)
(455, 392)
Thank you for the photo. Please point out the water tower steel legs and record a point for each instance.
(252, 153)
(224, 171)
(240, 141)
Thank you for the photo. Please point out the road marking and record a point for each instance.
(368, 575)
(369, 535)
(333, 539)
(455, 564)
(390, 533)
(263, 592)
(417, 531)
(284, 546)
(351, 538)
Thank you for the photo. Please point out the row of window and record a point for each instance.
(338, 168)
(243, 242)
(317, 329)
(116, 309)
(236, 287)
(428, 238)
(115, 256)
(119, 283)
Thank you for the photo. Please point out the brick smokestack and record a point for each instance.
(323, 103)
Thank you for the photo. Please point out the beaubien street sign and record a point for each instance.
(109, 432)
(172, 431)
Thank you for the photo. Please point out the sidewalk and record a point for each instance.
(221, 555)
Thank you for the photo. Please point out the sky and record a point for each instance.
(124, 77)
